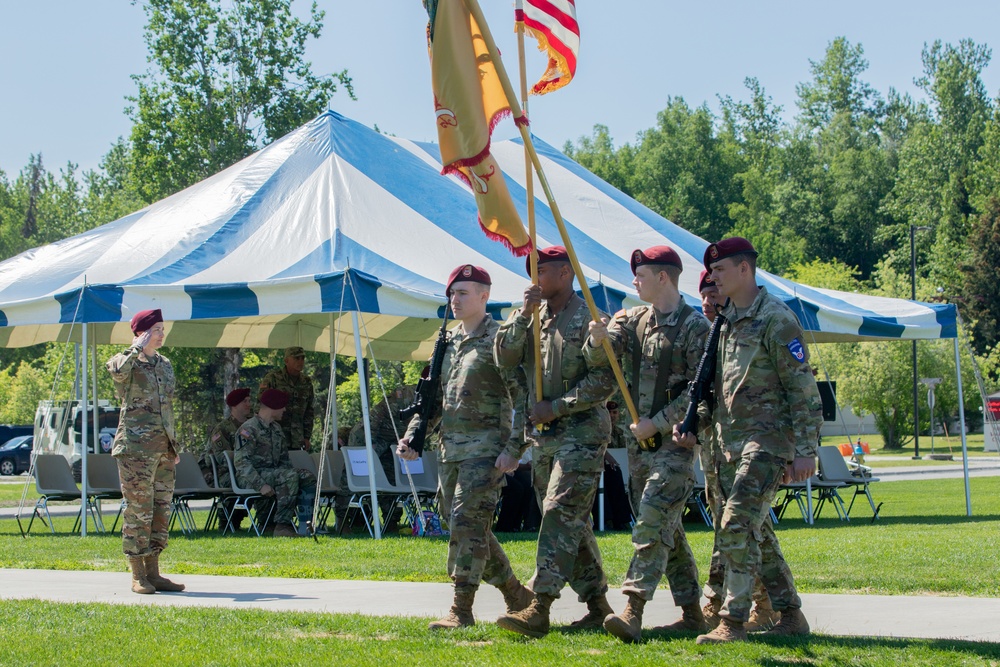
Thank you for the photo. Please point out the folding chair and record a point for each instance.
(424, 473)
(824, 490)
(104, 483)
(248, 500)
(360, 488)
(54, 482)
(189, 484)
(833, 468)
(330, 484)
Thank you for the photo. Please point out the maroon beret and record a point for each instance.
(468, 273)
(273, 398)
(705, 281)
(658, 254)
(145, 319)
(237, 396)
(736, 245)
(556, 253)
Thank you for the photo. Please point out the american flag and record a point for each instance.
(553, 24)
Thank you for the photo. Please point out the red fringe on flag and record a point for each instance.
(517, 251)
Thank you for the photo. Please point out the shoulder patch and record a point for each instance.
(620, 313)
(245, 433)
(216, 436)
(797, 350)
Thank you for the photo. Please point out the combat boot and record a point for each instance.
(140, 584)
(153, 575)
(728, 631)
(711, 612)
(692, 620)
(627, 626)
(460, 614)
(762, 617)
(515, 595)
(598, 610)
(792, 622)
(531, 622)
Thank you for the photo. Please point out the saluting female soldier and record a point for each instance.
(145, 448)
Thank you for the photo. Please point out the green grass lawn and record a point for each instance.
(974, 443)
(42, 634)
(921, 544)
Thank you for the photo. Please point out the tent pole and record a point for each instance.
(85, 350)
(93, 397)
(961, 417)
(363, 388)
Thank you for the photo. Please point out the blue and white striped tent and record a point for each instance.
(335, 218)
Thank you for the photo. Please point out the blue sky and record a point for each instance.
(66, 64)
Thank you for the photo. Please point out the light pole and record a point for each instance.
(913, 297)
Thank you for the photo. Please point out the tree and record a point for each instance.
(981, 287)
(222, 83)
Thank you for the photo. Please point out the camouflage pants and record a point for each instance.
(469, 491)
(638, 472)
(680, 568)
(661, 546)
(148, 487)
(565, 484)
(748, 485)
(714, 587)
(293, 488)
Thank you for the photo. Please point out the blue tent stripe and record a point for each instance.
(442, 201)
(229, 300)
(336, 295)
(946, 317)
(101, 303)
(199, 253)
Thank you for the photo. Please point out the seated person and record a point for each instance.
(261, 460)
(222, 438)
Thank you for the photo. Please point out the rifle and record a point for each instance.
(704, 377)
(425, 401)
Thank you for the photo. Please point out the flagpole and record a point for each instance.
(529, 186)
(515, 108)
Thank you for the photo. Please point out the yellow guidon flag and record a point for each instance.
(468, 102)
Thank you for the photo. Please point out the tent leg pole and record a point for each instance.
(961, 417)
(85, 350)
(365, 416)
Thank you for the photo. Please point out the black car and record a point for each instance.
(15, 455)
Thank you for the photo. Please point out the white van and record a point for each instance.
(59, 430)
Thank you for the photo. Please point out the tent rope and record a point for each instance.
(404, 465)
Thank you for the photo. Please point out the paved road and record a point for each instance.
(855, 615)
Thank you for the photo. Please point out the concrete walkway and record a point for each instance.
(857, 615)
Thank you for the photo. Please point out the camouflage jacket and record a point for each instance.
(145, 388)
(299, 416)
(260, 448)
(222, 438)
(577, 390)
(478, 399)
(685, 353)
(766, 395)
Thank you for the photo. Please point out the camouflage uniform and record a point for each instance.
(768, 411)
(145, 447)
(222, 438)
(297, 422)
(567, 460)
(261, 457)
(661, 547)
(475, 427)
